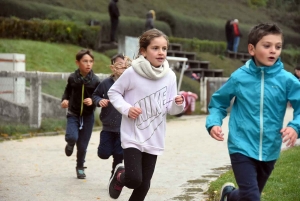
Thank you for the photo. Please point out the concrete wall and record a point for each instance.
(19, 113)
(13, 112)
(50, 106)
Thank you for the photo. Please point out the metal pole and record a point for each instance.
(181, 76)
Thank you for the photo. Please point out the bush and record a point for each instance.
(128, 26)
(196, 45)
(46, 30)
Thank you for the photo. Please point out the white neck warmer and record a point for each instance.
(143, 67)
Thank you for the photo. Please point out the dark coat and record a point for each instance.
(109, 116)
(73, 92)
(229, 31)
(113, 9)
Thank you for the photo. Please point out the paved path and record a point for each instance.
(37, 169)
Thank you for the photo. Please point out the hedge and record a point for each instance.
(196, 45)
(52, 31)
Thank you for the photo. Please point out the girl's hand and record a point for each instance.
(104, 102)
(179, 100)
(289, 135)
(88, 101)
(134, 112)
(65, 104)
(216, 133)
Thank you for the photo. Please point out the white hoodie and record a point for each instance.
(154, 91)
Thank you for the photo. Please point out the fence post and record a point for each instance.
(35, 104)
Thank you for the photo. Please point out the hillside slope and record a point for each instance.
(219, 10)
(204, 20)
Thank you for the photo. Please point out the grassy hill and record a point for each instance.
(51, 57)
(208, 17)
(219, 10)
(44, 56)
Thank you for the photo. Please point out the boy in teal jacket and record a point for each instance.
(261, 89)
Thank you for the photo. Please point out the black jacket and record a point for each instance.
(229, 31)
(73, 92)
(109, 116)
(113, 9)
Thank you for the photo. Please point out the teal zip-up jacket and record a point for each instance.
(256, 118)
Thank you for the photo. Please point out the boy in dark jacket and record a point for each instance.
(110, 144)
(78, 99)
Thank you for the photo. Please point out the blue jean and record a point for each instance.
(251, 176)
(236, 42)
(110, 145)
(80, 137)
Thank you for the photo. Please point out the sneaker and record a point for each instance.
(80, 172)
(226, 188)
(69, 149)
(114, 185)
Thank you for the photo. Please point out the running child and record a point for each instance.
(261, 89)
(110, 144)
(77, 98)
(143, 94)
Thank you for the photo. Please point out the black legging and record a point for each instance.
(139, 168)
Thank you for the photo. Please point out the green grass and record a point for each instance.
(51, 57)
(283, 183)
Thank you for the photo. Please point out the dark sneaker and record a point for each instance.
(114, 185)
(69, 149)
(226, 188)
(80, 172)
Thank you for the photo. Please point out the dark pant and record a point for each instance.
(110, 145)
(251, 176)
(139, 168)
(80, 137)
(113, 28)
(230, 44)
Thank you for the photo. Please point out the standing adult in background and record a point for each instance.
(150, 17)
(229, 35)
(237, 34)
(114, 19)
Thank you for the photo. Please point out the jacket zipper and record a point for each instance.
(262, 86)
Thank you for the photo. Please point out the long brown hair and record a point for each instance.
(147, 36)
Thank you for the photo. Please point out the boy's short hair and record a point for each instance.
(113, 59)
(297, 67)
(83, 52)
(261, 30)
